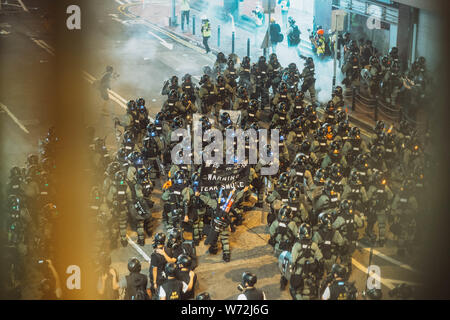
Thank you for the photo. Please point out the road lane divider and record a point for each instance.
(13, 117)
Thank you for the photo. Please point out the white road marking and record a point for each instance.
(22, 5)
(43, 45)
(364, 270)
(138, 249)
(13, 117)
(389, 259)
(162, 41)
(120, 2)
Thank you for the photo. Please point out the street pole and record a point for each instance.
(173, 13)
(268, 30)
(218, 35)
(335, 59)
(232, 42)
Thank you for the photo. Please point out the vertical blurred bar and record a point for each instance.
(72, 181)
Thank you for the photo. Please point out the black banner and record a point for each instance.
(224, 176)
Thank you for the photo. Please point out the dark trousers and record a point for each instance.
(205, 43)
(184, 17)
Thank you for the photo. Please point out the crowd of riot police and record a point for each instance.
(29, 225)
(377, 76)
(332, 185)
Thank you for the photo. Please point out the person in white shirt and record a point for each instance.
(185, 9)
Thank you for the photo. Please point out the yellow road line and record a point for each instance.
(13, 117)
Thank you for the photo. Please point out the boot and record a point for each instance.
(124, 242)
(141, 242)
(226, 257)
(283, 283)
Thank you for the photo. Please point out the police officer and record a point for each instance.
(220, 228)
(299, 205)
(354, 146)
(308, 79)
(283, 231)
(245, 74)
(351, 69)
(380, 197)
(220, 63)
(259, 79)
(275, 70)
(185, 274)
(177, 200)
(153, 148)
(329, 199)
(334, 155)
(189, 88)
(231, 75)
(405, 209)
(339, 289)
(172, 288)
(347, 223)
(172, 106)
(306, 259)
(279, 193)
(242, 104)
(329, 240)
(207, 93)
(130, 121)
(119, 195)
(206, 32)
(135, 283)
(157, 263)
(247, 287)
(224, 95)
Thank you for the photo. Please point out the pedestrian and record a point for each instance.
(185, 9)
(275, 34)
(135, 283)
(206, 32)
(104, 84)
(107, 279)
(285, 5)
(293, 35)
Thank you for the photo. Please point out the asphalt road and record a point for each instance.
(144, 58)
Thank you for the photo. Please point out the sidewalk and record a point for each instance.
(159, 11)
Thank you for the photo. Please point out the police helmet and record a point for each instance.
(131, 106)
(248, 279)
(304, 232)
(170, 269)
(338, 270)
(159, 239)
(184, 260)
(134, 265)
(346, 206)
(179, 177)
(326, 219)
(203, 296)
